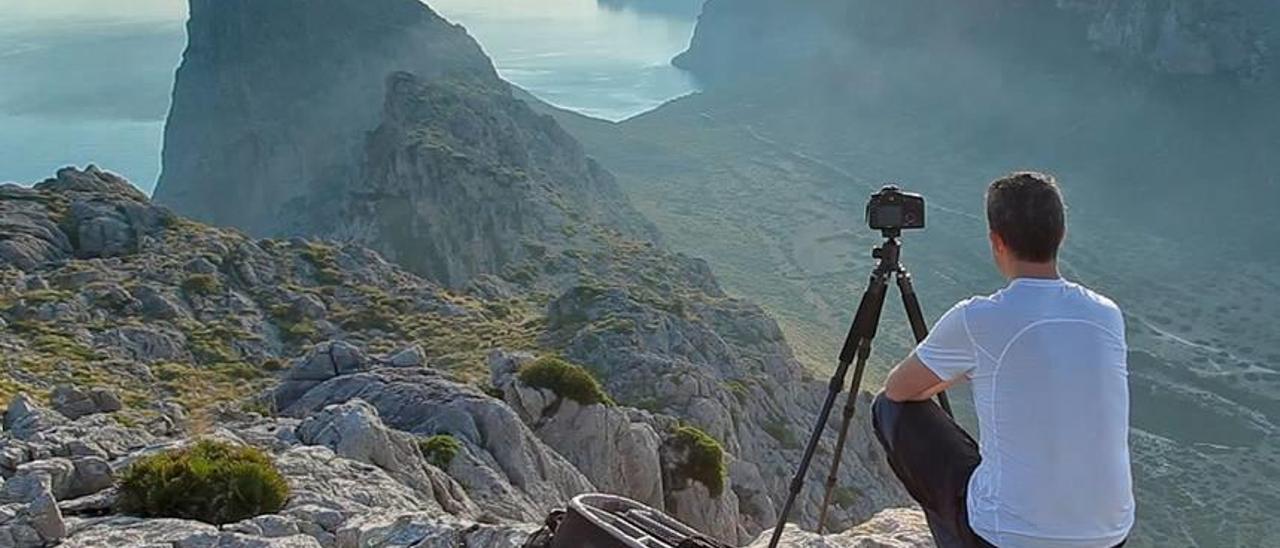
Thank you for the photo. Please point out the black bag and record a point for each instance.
(608, 521)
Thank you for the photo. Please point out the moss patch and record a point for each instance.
(704, 458)
(439, 449)
(567, 380)
(201, 284)
(214, 482)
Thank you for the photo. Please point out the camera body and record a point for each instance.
(892, 210)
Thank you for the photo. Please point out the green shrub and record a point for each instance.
(565, 379)
(704, 458)
(439, 449)
(201, 284)
(211, 481)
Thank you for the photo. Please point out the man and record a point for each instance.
(1046, 360)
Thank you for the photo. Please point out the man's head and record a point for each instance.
(1027, 219)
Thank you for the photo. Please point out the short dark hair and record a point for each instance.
(1026, 210)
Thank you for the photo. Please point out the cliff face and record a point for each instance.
(273, 100)
(462, 179)
(1234, 40)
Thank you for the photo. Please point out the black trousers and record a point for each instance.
(934, 458)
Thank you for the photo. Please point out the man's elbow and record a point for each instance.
(897, 394)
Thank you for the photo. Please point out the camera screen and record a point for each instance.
(889, 215)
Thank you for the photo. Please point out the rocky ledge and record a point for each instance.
(349, 439)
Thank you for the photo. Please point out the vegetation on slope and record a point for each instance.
(211, 481)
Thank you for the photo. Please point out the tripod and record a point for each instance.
(857, 347)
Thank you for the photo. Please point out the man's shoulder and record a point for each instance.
(1098, 302)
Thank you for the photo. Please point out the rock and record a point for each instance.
(97, 504)
(94, 435)
(132, 531)
(891, 528)
(320, 479)
(200, 265)
(308, 307)
(32, 523)
(353, 430)
(618, 456)
(147, 344)
(23, 418)
(270, 526)
(90, 475)
(715, 516)
(504, 467)
(32, 237)
(175, 533)
(74, 403)
(64, 478)
(328, 360)
(428, 531)
(226, 539)
(158, 304)
(413, 356)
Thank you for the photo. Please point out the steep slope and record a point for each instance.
(461, 179)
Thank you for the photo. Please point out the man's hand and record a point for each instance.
(912, 381)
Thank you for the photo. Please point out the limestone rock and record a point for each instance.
(618, 455)
(427, 531)
(504, 467)
(23, 418)
(354, 430)
(74, 403)
(33, 522)
(890, 528)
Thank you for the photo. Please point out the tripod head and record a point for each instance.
(889, 254)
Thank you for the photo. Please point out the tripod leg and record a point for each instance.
(850, 407)
(916, 318)
(862, 329)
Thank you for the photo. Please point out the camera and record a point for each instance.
(891, 210)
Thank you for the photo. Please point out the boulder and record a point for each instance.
(33, 522)
(618, 455)
(74, 402)
(503, 466)
(353, 430)
(23, 418)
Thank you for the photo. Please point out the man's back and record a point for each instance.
(1050, 389)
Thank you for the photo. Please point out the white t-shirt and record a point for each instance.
(1047, 360)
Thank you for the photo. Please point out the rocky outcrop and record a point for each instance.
(462, 179)
(504, 468)
(377, 122)
(272, 101)
(617, 452)
(891, 528)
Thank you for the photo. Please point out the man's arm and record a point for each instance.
(941, 360)
(912, 381)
